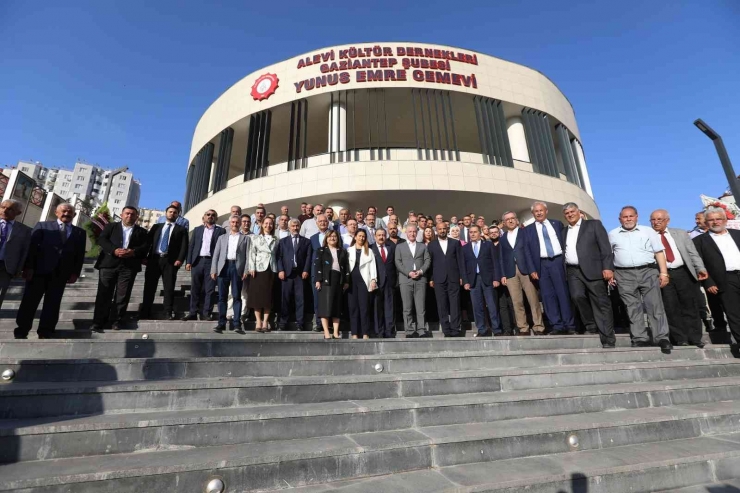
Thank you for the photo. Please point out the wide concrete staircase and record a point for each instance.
(171, 406)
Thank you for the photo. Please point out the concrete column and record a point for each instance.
(582, 165)
(517, 139)
(337, 127)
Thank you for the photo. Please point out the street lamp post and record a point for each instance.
(724, 158)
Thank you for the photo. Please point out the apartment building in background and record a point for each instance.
(89, 181)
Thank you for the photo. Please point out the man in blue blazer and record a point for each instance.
(548, 267)
(317, 241)
(516, 266)
(294, 259)
(447, 273)
(198, 263)
(54, 260)
(385, 260)
(481, 276)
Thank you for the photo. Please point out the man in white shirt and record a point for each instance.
(447, 273)
(589, 265)
(383, 221)
(200, 255)
(310, 227)
(351, 231)
(685, 268)
(229, 267)
(720, 252)
(282, 229)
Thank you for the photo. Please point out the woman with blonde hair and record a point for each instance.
(262, 267)
(363, 275)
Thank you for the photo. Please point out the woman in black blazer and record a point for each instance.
(332, 278)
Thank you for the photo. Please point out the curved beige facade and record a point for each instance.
(425, 127)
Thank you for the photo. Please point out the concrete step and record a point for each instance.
(281, 344)
(49, 399)
(272, 465)
(147, 359)
(102, 434)
(726, 486)
(659, 466)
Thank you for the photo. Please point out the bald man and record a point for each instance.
(55, 256)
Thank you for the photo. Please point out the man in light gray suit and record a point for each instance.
(685, 269)
(229, 267)
(15, 240)
(412, 264)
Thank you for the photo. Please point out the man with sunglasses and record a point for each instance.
(200, 252)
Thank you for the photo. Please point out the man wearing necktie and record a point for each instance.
(548, 267)
(686, 269)
(55, 258)
(294, 265)
(384, 302)
(480, 277)
(168, 249)
(15, 238)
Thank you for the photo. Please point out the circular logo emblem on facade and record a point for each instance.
(264, 87)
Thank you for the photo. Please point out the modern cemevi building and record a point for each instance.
(429, 128)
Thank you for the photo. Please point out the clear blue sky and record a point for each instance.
(124, 83)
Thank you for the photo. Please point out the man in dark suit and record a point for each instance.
(123, 246)
(719, 248)
(200, 255)
(589, 264)
(168, 248)
(55, 258)
(516, 265)
(503, 298)
(546, 253)
(15, 238)
(447, 273)
(384, 302)
(480, 277)
(294, 260)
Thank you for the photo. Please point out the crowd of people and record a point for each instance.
(388, 275)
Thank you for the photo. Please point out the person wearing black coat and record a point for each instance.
(331, 276)
(384, 301)
(719, 248)
(168, 248)
(55, 258)
(589, 263)
(198, 263)
(447, 269)
(123, 246)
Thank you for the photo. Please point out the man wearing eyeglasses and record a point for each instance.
(200, 252)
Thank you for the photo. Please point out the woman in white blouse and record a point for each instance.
(363, 275)
(262, 265)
